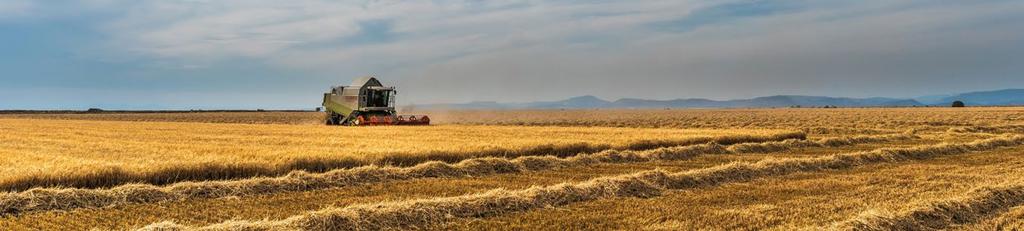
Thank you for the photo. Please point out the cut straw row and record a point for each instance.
(996, 129)
(50, 199)
(423, 213)
(977, 205)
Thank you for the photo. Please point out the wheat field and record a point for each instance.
(86, 153)
(716, 169)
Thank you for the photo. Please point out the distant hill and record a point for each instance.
(575, 102)
(987, 98)
(819, 101)
(980, 98)
(770, 101)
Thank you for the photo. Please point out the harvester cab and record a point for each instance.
(366, 102)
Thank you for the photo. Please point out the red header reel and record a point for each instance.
(375, 120)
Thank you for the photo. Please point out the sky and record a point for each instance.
(244, 54)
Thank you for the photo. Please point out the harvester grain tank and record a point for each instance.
(366, 102)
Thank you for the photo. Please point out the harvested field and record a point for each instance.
(756, 169)
(421, 213)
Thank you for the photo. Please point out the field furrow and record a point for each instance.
(421, 213)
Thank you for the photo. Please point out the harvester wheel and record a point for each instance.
(425, 120)
(331, 119)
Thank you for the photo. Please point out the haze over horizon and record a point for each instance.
(181, 54)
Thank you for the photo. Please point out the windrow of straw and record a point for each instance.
(844, 130)
(997, 129)
(824, 142)
(115, 176)
(423, 213)
(48, 199)
(1010, 220)
(977, 205)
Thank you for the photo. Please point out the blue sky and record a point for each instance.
(282, 54)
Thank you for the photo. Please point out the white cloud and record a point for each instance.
(280, 30)
(15, 8)
(225, 29)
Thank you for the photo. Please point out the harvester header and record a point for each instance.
(366, 102)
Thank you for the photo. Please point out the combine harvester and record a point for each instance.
(366, 102)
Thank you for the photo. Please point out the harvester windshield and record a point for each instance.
(381, 97)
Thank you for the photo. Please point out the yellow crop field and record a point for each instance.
(720, 169)
(88, 153)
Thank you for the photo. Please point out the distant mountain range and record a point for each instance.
(985, 98)
(981, 98)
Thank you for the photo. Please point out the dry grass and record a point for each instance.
(99, 153)
(422, 213)
(45, 199)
